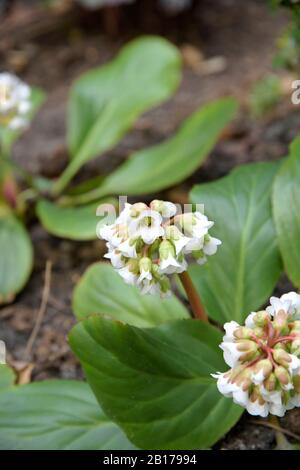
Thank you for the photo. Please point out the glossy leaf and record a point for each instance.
(156, 382)
(74, 223)
(102, 290)
(56, 415)
(16, 256)
(286, 206)
(163, 165)
(7, 377)
(246, 268)
(105, 102)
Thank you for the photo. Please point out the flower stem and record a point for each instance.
(281, 441)
(194, 299)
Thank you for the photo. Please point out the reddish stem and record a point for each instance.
(194, 299)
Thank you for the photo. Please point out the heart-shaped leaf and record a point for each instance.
(171, 161)
(56, 415)
(156, 382)
(7, 377)
(16, 256)
(74, 223)
(244, 272)
(105, 102)
(286, 207)
(102, 290)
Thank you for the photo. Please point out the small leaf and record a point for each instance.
(156, 382)
(16, 257)
(244, 272)
(170, 162)
(56, 415)
(286, 207)
(74, 223)
(106, 102)
(102, 290)
(7, 377)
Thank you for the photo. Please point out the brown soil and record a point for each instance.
(243, 33)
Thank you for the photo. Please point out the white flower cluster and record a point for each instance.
(264, 356)
(14, 101)
(146, 243)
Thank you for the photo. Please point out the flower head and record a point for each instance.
(14, 101)
(148, 243)
(264, 357)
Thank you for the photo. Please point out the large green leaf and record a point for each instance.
(286, 207)
(74, 223)
(56, 415)
(7, 377)
(170, 162)
(102, 290)
(155, 383)
(106, 102)
(244, 272)
(16, 256)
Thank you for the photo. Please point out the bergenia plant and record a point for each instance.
(162, 379)
(104, 104)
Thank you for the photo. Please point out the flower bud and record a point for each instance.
(282, 357)
(133, 266)
(145, 264)
(261, 318)
(248, 348)
(280, 322)
(137, 208)
(243, 333)
(270, 382)
(264, 367)
(165, 208)
(166, 249)
(282, 375)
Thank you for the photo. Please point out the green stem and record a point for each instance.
(194, 299)
(65, 178)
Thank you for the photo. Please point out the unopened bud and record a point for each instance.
(265, 365)
(165, 284)
(133, 266)
(280, 322)
(282, 375)
(256, 396)
(166, 249)
(270, 383)
(261, 318)
(249, 348)
(282, 357)
(145, 264)
(243, 333)
(137, 208)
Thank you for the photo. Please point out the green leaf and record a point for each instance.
(56, 415)
(286, 208)
(244, 272)
(16, 257)
(7, 377)
(102, 290)
(171, 161)
(106, 102)
(155, 383)
(8, 136)
(74, 223)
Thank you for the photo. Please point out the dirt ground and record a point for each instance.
(51, 55)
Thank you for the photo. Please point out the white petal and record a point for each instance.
(230, 328)
(255, 409)
(249, 320)
(210, 247)
(230, 353)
